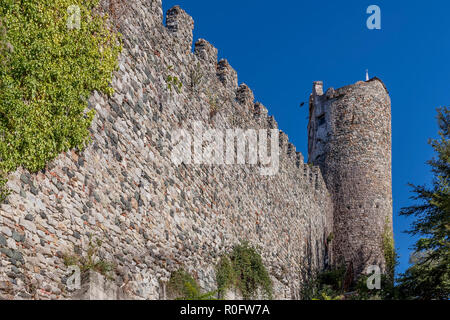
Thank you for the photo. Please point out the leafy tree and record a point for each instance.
(331, 285)
(429, 277)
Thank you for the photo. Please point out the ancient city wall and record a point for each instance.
(152, 215)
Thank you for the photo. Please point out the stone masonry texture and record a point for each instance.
(155, 217)
(350, 140)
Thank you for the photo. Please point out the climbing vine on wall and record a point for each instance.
(47, 73)
(390, 254)
(4, 192)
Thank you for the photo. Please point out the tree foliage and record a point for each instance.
(429, 277)
(47, 73)
(331, 285)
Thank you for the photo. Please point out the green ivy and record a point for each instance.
(47, 73)
(243, 269)
(390, 254)
(4, 191)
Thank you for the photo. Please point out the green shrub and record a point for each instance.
(225, 275)
(91, 260)
(333, 278)
(243, 269)
(47, 73)
(388, 290)
(327, 285)
(182, 286)
(173, 82)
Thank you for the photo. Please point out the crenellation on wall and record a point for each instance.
(261, 116)
(260, 111)
(318, 88)
(283, 142)
(312, 177)
(156, 9)
(272, 123)
(300, 160)
(181, 26)
(315, 174)
(206, 52)
(291, 151)
(306, 171)
(330, 94)
(320, 181)
(244, 95)
(227, 75)
(155, 216)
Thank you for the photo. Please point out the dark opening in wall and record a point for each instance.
(319, 158)
(321, 120)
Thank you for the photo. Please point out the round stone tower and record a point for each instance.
(349, 138)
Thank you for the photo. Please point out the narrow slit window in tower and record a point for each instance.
(321, 120)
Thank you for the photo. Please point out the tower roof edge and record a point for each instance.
(381, 81)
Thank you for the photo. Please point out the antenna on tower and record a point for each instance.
(367, 74)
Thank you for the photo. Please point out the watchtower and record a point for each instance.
(349, 138)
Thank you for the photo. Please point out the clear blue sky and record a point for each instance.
(280, 47)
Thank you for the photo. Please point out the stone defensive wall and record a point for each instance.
(155, 216)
